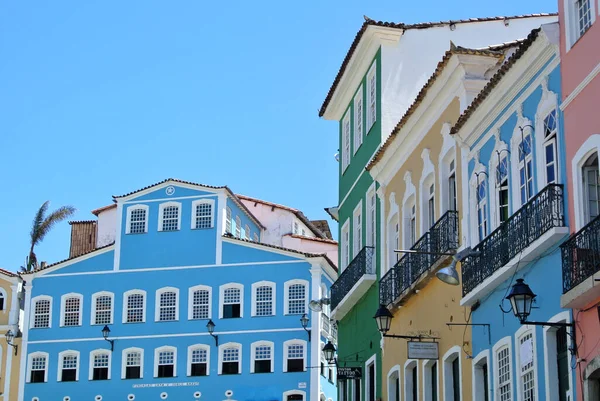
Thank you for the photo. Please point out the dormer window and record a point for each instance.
(169, 216)
(228, 220)
(238, 227)
(137, 219)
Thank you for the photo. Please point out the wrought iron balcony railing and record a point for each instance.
(581, 255)
(542, 213)
(362, 264)
(441, 238)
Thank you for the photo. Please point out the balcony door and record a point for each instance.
(591, 188)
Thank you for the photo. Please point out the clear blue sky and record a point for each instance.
(99, 98)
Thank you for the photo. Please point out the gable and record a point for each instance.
(169, 191)
(97, 261)
(246, 253)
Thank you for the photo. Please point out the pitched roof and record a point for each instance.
(323, 226)
(96, 212)
(82, 222)
(369, 22)
(68, 259)
(7, 273)
(325, 240)
(297, 212)
(496, 78)
(454, 50)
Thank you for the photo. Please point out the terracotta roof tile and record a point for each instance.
(82, 222)
(96, 212)
(68, 259)
(7, 273)
(425, 25)
(454, 50)
(323, 226)
(496, 78)
(325, 240)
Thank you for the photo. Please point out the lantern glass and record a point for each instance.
(383, 317)
(329, 351)
(521, 299)
(210, 326)
(9, 336)
(105, 331)
(304, 321)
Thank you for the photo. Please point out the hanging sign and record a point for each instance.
(423, 350)
(349, 373)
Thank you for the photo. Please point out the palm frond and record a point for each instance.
(53, 218)
(37, 222)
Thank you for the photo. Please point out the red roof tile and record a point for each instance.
(103, 208)
(67, 260)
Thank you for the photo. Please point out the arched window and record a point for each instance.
(2, 299)
(200, 298)
(427, 192)
(452, 374)
(591, 188)
(294, 352)
(522, 160)
(503, 369)
(481, 376)
(68, 370)
(357, 233)
(134, 306)
(411, 380)
(294, 395)
(132, 363)
(431, 380)
(263, 298)
(202, 214)
(231, 300)
(393, 380)
(70, 309)
(230, 359)
(169, 216)
(137, 219)
(198, 360)
(393, 234)
(261, 354)
(247, 232)
(37, 367)
(295, 297)
(42, 312)
(481, 197)
(165, 362)
(102, 308)
(526, 364)
(100, 365)
(167, 304)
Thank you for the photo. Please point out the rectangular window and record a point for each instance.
(238, 227)
(228, 220)
(38, 369)
(502, 189)
(200, 304)
(295, 358)
(262, 359)
(584, 16)
(296, 299)
(456, 378)
(100, 367)
(133, 365)
(371, 218)
(413, 226)
(452, 187)
(527, 377)
(42, 314)
(296, 229)
(358, 120)
(345, 142)
(504, 388)
(371, 96)
(231, 303)
(166, 364)
(481, 211)
(255, 237)
(433, 383)
(525, 170)
(345, 245)
(135, 308)
(72, 311)
(69, 368)
(170, 221)
(198, 367)
(203, 215)
(431, 206)
(137, 221)
(357, 230)
(231, 361)
(103, 313)
(247, 232)
(264, 301)
(168, 306)
(371, 382)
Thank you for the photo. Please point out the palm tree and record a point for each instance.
(42, 224)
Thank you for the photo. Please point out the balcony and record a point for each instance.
(414, 269)
(581, 266)
(526, 235)
(353, 283)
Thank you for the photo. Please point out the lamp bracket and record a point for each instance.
(112, 344)
(216, 337)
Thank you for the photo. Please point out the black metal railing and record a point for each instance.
(543, 212)
(362, 264)
(581, 255)
(441, 238)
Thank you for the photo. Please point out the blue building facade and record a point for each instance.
(185, 256)
(517, 220)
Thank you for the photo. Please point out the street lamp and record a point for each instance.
(329, 352)
(9, 339)
(210, 326)
(105, 334)
(448, 274)
(317, 305)
(304, 323)
(384, 317)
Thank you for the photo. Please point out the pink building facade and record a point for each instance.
(580, 67)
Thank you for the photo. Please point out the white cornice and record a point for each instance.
(372, 39)
(580, 87)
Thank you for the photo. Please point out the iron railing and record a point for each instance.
(362, 264)
(581, 255)
(441, 238)
(543, 212)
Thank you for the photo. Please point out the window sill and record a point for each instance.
(202, 228)
(236, 317)
(134, 322)
(262, 316)
(229, 374)
(168, 231)
(131, 378)
(166, 321)
(169, 377)
(100, 324)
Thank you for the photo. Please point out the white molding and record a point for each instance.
(221, 211)
(222, 289)
(547, 103)
(409, 200)
(230, 345)
(61, 355)
(145, 299)
(571, 21)
(426, 375)
(112, 306)
(346, 157)
(587, 148)
(161, 211)
(191, 291)
(357, 212)
(130, 209)
(478, 393)
(293, 392)
(550, 364)
(349, 192)
(427, 179)
(192, 348)
(394, 371)
(195, 204)
(408, 382)
(294, 341)
(261, 343)
(155, 188)
(582, 85)
(174, 198)
(273, 287)
(157, 305)
(63, 300)
(44, 272)
(118, 236)
(447, 372)
(124, 361)
(371, 73)
(371, 361)
(286, 295)
(29, 360)
(503, 342)
(32, 315)
(165, 348)
(522, 331)
(358, 98)
(91, 362)
(500, 148)
(447, 154)
(515, 142)
(394, 214)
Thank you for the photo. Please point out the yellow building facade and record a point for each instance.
(10, 355)
(420, 172)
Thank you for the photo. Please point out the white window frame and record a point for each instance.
(293, 392)
(505, 342)
(286, 299)
(447, 360)
(161, 210)
(125, 296)
(124, 361)
(476, 368)
(572, 22)
(409, 365)
(410, 231)
(157, 306)
(222, 347)
(61, 355)
(130, 210)
(247, 232)
(191, 291)
(550, 365)
(482, 225)
(370, 75)
(295, 341)
(585, 151)
(516, 165)
(228, 221)
(358, 117)
(262, 343)
(195, 204)
(63, 300)
(192, 348)
(426, 375)
(371, 361)
(357, 229)
(95, 296)
(547, 104)
(91, 362)
(30, 357)
(519, 334)
(238, 227)
(393, 224)
(222, 289)
(273, 287)
(346, 141)
(255, 237)
(391, 377)
(371, 217)
(447, 157)
(34, 300)
(499, 153)
(4, 296)
(477, 176)
(157, 351)
(345, 242)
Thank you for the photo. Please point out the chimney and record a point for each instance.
(83, 237)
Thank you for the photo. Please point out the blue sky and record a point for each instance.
(99, 98)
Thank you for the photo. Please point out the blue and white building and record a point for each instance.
(517, 218)
(173, 257)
